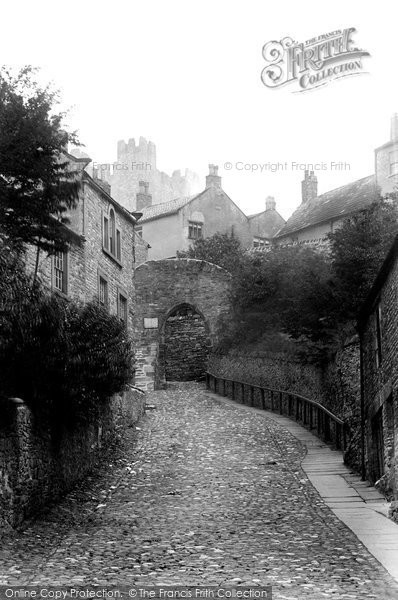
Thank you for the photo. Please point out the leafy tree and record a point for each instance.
(309, 295)
(358, 249)
(37, 187)
(285, 290)
(220, 249)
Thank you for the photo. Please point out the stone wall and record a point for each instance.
(88, 259)
(40, 460)
(337, 387)
(186, 350)
(161, 287)
(380, 371)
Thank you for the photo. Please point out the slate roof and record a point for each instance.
(165, 208)
(335, 204)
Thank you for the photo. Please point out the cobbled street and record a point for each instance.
(204, 492)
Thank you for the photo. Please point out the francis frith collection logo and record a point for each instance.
(312, 63)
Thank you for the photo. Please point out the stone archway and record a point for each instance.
(186, 343)
(163, 288)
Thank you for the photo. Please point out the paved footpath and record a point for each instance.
(205, 492)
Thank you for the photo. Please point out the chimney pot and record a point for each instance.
(270, 203)
(143, 198)
(309, 187)
(213, 179)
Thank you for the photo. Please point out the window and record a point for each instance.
(102, 291)
(377, 337)
(118, 245)
(106, 233)
(260, 242)
(112, 236)
(60, 272)
(195, 230)
(112, 227)
(122, 307)
(394, 162)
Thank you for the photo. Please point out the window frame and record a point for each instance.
(103, 277)
(65, 273)
(393, 163)
(112, 239)
(121, 293)
(195, 226)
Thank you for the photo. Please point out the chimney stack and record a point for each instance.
(270, 203)
(144, 198)
(309, 187)
(394, 127)
(213, 179)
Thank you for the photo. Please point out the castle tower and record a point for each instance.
(136, 164)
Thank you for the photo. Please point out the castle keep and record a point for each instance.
(137, 162)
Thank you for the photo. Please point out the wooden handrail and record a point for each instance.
(310, 412)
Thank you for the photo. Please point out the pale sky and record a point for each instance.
(186, 75)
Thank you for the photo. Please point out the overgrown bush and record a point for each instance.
(55, 353)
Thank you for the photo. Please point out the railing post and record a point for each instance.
(272, 400)
(297, 409)
(251, 395)
(311, 416)
(337, 428)
(280, 403)
(327, 428)
(233, 390)
(262, 398)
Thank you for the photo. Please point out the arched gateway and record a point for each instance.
(179, 304)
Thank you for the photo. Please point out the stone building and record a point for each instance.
(175, 225)
(137, 162)
(266, 224)
(378, 326)
(319, 215)
(100, 260)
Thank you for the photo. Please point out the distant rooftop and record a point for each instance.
(164, 209)
(336, 204)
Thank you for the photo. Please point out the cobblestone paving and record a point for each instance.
(204, 493)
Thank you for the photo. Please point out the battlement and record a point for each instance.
(145, 149)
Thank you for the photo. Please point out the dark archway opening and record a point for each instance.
(186, 344)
